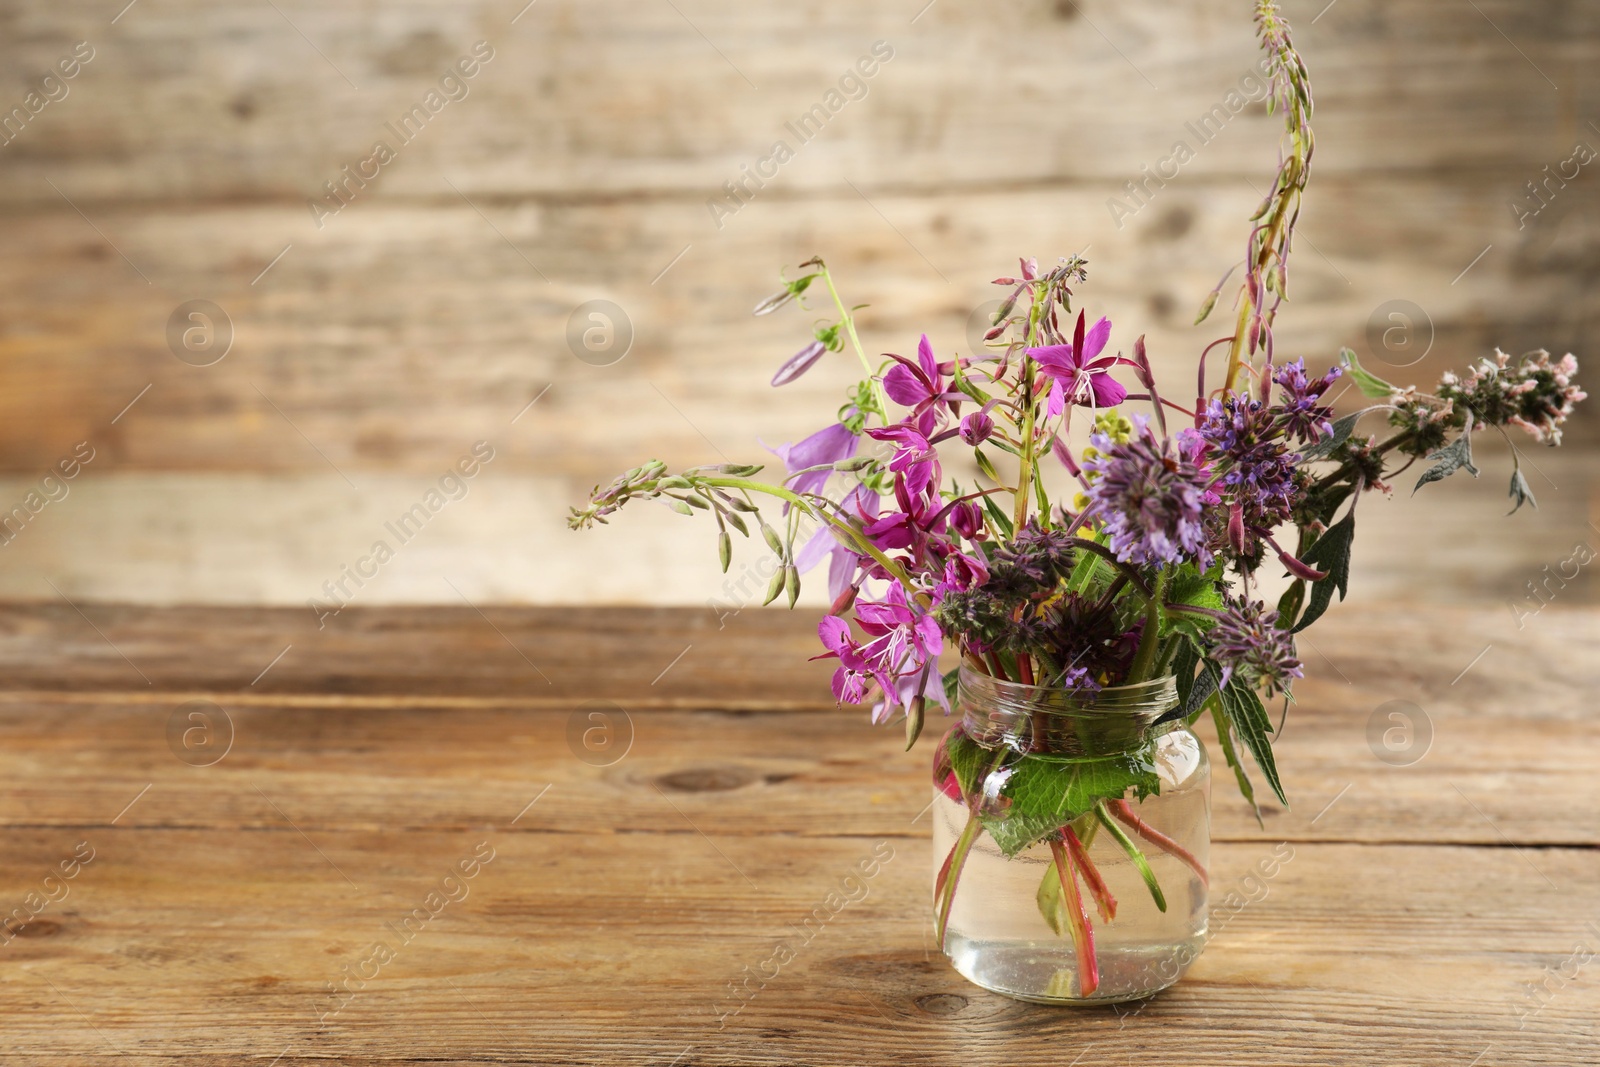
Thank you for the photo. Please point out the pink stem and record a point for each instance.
(1124, 811)
(1103, 900)
(1078, 921)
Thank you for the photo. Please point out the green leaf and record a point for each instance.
(1184, 665)
(968, 760)
(1189, 586)
(1370, 384)
(1203, 689)
(965, 384)
(1452, 457)
(1048, 792)
(1052, 900)
(986, 467)
(1331, 553)
(1135, 855)
(1229, 753)
(1248, 717)
(1002, 522)
(1342, 429)
(1051, 794)
(1292, 600)
(952, 685)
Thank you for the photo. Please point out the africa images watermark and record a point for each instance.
(1538, 995)
(452, 888)
(52, 488)
(1541, 191)
(353, 178)
(852, 85)
(52, 88)
(853, 888)
(1254, 86)
(53, 889)
(1544, 589)
(452, 486)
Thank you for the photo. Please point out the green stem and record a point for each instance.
(1144, 660)
(1142, 864)
(850, 328)
(1027, 460)
(856, 537)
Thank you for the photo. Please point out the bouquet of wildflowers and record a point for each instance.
(1152, 562)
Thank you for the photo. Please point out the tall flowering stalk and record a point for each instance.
(1266, 260)
(1148, 566)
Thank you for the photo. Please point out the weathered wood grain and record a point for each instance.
(184, 101)
(431, 309)
(220, 946)
(398, 338)
(623, 901)
(732, 728)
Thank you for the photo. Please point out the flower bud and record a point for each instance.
(724, 550)
(774, 302)
(773, 541)
(966, 519)
(976, 428)
(791, 582)
(799, 363)
(774, 587)
(914, 716)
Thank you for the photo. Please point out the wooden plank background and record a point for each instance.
(431, 310)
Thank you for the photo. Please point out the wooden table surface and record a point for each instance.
(1444, 912)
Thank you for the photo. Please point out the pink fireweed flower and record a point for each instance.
(914, 457)
(921, 515)
(901, 641)
(961, 573)
(904, 689)
(1078, 373)
(920, 386)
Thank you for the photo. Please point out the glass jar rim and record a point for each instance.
(1052, 721)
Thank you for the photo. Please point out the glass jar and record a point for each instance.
(1071, 834)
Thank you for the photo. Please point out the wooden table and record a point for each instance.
(371, 760)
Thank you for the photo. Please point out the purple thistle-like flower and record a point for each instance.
(1256, 462)
(1247, 641)
(1301, 411)
(1149, 498)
